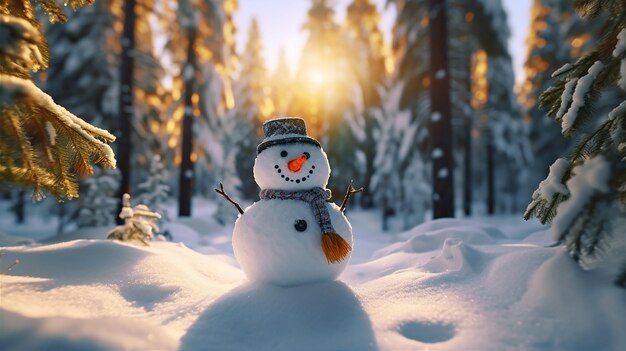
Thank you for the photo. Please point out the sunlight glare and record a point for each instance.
(318, 77)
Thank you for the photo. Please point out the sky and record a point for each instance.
(280, 23)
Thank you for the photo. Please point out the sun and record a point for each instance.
(318, 77)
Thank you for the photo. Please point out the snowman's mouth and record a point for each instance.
(292, 179)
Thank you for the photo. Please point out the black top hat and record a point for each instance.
(285, 130)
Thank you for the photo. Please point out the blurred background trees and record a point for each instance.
(199, 104)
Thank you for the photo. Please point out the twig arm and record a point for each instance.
(223, 193)
(351, 190)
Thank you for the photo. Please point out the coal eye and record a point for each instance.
(283, 153)
(300, 225)
(308, 155)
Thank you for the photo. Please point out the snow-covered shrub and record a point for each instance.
(139, 223)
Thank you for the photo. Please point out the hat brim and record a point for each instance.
(289, 140)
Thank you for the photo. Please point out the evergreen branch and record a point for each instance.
(577, 153)
(75, 146)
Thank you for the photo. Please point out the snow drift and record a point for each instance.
(445, 285)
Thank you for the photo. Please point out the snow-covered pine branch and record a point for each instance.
(543, 204)
(42, 145)
(579, 96)
(620, 53)
(40, 161)
(584, 195)
(19, 50)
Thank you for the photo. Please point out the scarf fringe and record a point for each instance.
(335, 247)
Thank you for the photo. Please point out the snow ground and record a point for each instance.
(452, 284)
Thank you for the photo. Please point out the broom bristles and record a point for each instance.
(335, 247)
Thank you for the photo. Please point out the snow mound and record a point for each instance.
(431, 236)
(456, 256)
(560, 291)
(53, 289)
(449, 285)
(62, 333)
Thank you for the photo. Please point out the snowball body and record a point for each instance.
(270, 249)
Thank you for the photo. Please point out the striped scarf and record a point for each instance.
(316, 198)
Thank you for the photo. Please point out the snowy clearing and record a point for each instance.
(452, 284)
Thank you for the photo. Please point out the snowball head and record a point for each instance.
(272, 171)
(278, 242)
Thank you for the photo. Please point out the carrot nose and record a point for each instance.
(297, 163)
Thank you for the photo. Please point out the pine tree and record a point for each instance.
(231, 140)
(398, 185)
(324, 97)
(152, 97)
(207, 29)
(155, 190)
(365, 41)
(506, 134)
(474, 26)
(253, 106)
(99, 202)
(319, 67)
(82, 75)
(41, 144)
(584, 195)
(553, 22)
(281, 85)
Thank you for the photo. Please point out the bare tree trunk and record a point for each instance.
(491, 199)
(126, 101)
(187, 165)
(467, 166)
(440, 124)
(61, 226)
(385, 215)
(20, 216)
(467, 137)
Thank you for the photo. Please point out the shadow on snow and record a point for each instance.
(323, 316)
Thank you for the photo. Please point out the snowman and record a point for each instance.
(292, 235)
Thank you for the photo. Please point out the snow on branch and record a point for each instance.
(565, 68)
(42, 144)
(19, 51)
(544, 199)
(589, 178)
(620, 49)
(583, 87)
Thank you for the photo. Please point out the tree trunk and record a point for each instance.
(19, 207)
(467, 166)
(491, 199)
(440, 124)
(467, 138)
(187, 165)
(126, 109)
(61, 226)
